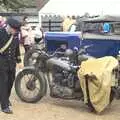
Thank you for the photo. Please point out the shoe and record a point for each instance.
(7, 110)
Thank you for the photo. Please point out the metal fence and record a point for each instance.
(51, 23)
(54, 22)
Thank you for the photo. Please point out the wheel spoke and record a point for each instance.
(30, 93)
(37, 88)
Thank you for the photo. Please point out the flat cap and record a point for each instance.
(14, 23)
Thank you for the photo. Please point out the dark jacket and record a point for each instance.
(11, 55)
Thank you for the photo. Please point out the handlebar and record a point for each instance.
(50, 55)
(88, 46)
(83, 49)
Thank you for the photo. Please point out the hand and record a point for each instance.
(19, 66)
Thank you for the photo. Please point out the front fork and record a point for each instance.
(49, 79)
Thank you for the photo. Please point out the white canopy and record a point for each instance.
(80, 7)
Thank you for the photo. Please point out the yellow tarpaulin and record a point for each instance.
(99, 89)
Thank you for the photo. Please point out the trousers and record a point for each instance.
(7, 78)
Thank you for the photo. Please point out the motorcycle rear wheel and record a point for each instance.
(30, 92)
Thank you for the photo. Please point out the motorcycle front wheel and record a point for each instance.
(30, 86)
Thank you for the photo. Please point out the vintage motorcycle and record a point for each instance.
(59, 73)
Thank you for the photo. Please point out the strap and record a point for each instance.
(6, 45)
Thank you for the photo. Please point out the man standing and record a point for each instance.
(106, 28)
(9, 56)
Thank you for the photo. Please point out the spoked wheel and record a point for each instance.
(30, 86)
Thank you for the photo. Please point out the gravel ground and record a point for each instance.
(57, 109)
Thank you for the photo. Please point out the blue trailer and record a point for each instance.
(102, 43)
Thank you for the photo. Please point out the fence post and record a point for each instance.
(49, 25)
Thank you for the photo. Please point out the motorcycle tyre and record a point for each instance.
(42, 81)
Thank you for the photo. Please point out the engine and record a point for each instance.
(65, 82)
(65, 78)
